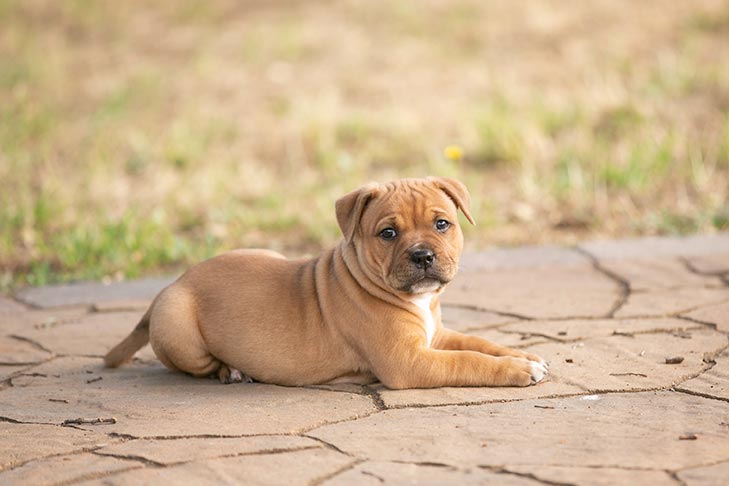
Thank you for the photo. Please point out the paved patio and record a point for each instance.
(635, 332)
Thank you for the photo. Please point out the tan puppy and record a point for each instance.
(364, 310)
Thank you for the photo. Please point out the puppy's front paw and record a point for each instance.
(524, 372)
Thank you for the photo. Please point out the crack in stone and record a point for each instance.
(28, 371)
(74, 452)
(487, 327)
(697, 466)
(332, 475)
(478, 308)
(532, 476)
(708, 324)
(130, 437)
(131, 457)
(623, 284)
(610, 315)
(23, 422)
(692, 308)
(588, 318)
(425, 464)
(672, 387)
(375, 396)
(621, 467)
(615, 332)
(529, 345)
(488, 402)
(32, 342)
(95, 476)
(89, 356)
(326, 444)
(324, 388)
(196, 436)
(709, 359)
(13, 421)
(527, 335)
(373, 475)
(306, 430)
(263, 452)
(153, 463)
(675, 313)
(699, 394)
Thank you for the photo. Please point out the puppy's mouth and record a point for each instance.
(423, 282)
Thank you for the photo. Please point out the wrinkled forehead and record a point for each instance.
(410, 204)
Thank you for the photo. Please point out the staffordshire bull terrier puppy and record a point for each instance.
(363, 311)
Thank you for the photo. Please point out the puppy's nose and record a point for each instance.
(423, 258)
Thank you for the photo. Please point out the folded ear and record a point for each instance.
(457, 191)
(349, 208)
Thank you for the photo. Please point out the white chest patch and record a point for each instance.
(423, 302)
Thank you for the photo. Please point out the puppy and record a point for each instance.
(362, 311)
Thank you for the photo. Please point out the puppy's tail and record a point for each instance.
(124, 351)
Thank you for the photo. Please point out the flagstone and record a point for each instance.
(27, 442)
(670, 301)
(543, 293)
(66, 469)
(147, 400)
(295, 467)
(631, 431)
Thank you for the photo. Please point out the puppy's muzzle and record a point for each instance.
(423, 258)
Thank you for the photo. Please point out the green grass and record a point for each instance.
(140, 137)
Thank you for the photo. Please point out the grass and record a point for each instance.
(139, 137)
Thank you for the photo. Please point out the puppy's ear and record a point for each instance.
(349, 208)
(457, 191)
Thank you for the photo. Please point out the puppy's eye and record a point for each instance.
(442, 225)
(388, 234)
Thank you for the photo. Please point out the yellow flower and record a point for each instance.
(453, 152)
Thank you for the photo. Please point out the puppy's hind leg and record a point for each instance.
(175, 335)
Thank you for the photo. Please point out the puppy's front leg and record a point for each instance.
(452, 340)
(421, 367)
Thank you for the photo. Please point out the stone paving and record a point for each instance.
(638, 392)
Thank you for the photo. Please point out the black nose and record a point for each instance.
(422, 258)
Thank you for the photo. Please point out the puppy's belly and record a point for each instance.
(283, 358)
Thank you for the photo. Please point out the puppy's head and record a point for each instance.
(406, 233)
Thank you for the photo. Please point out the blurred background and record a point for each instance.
(137, 137)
